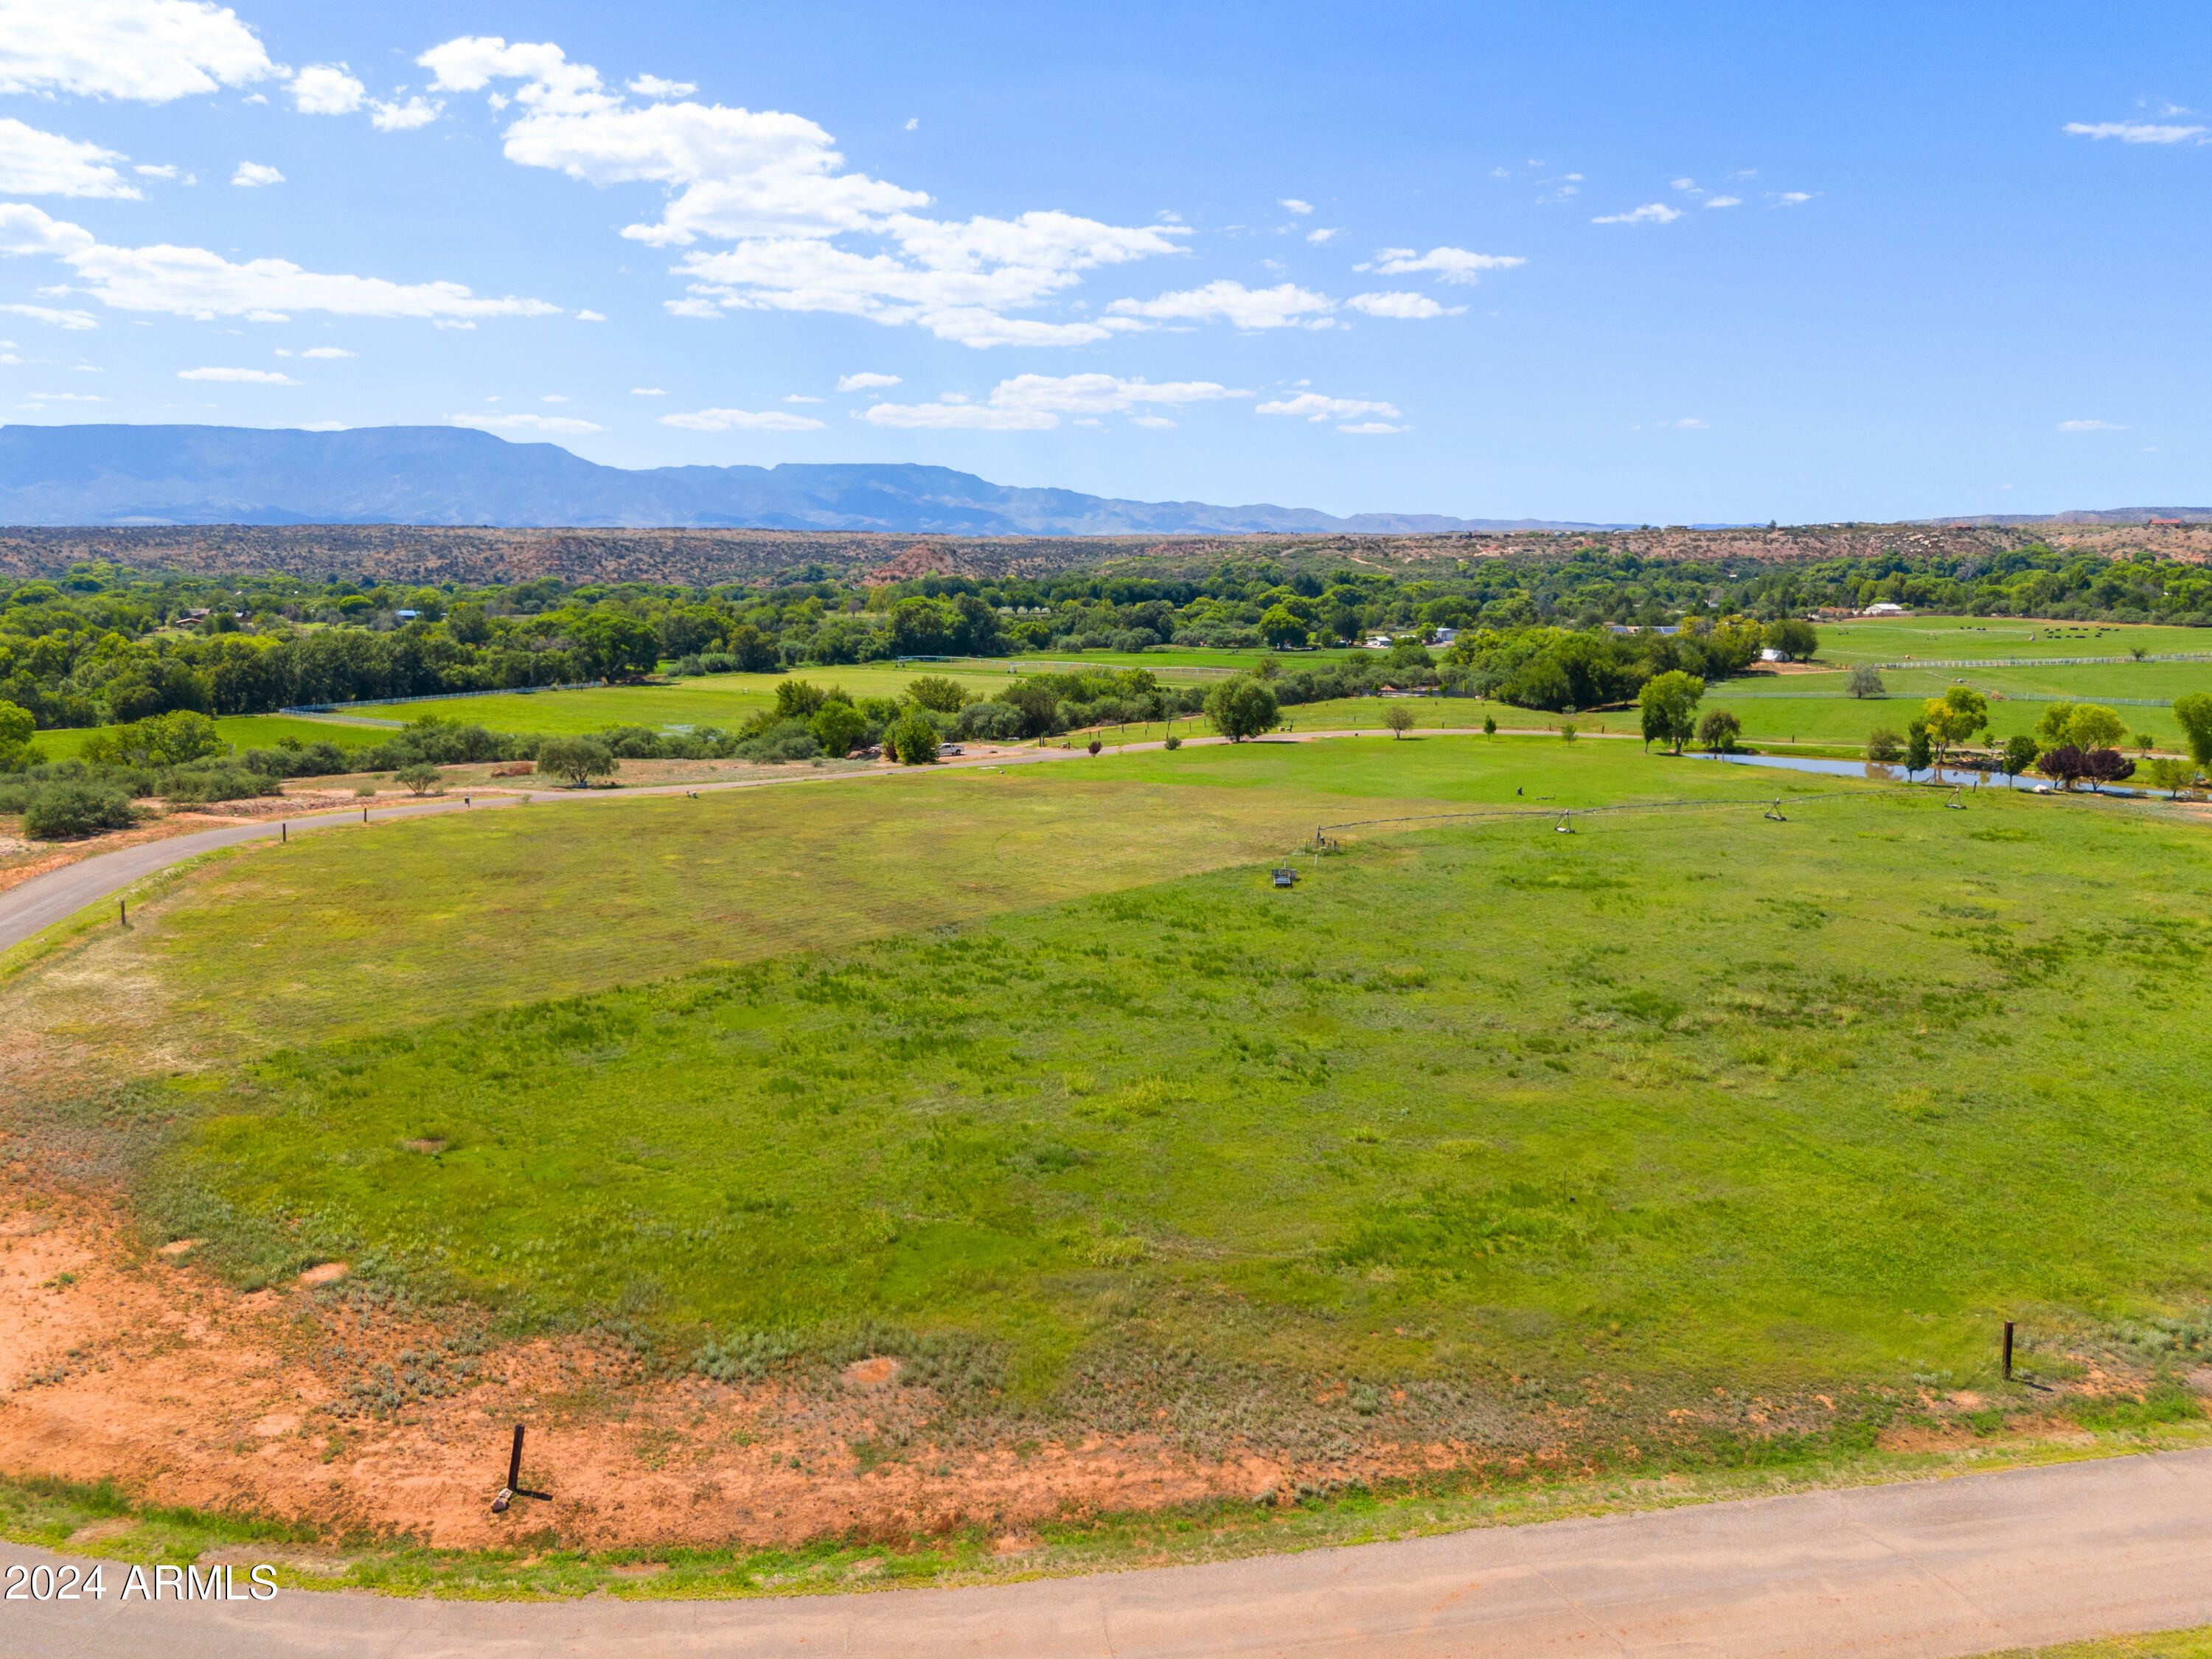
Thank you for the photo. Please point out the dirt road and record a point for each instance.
(1938, 1568)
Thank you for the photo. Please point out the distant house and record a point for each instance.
(1622, 628)
(1770, 654)
(407, 616)
(1885, 607)
(1446, 636)
(1380, 642)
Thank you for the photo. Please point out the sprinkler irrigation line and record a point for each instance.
(1563, 814)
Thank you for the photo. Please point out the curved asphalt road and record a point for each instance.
(1927, 1569)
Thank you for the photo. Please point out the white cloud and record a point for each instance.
(865, 382)
(190, 282)
(66, 398)
(913, 121)
(800, 398)
(2133, 133)
(1284, 305)
(1725, 201)
(2090, 426)
(1370, 427)
(722, 420)
(1324, 233)
(1315, 407)
(552, 397)
(1408, 308)
(239, 376)
(252, 175)
(1295, 205)
(1150, 421)
(591, 316)
(646, 392)
(393, 116)
(145, 170)
(326, 89)
(35, 163)
(57, 318)
(1792, 197)
(147, 50)
(532, 422)
(1684, 183)
(1652, 213)
(1687, 423)
(1034, 403)
(772, 184)
(651, 86)
(1450, 264)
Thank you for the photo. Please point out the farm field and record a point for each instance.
(1849, 719)
(241, 732)
(1895, 639)
(1687, 1100)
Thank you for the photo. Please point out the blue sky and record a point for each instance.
(1621, 262)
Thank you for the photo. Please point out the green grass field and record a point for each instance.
(241, 732)
(1962, 638)
(1040, 1063)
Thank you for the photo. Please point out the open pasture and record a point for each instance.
(241, 732)
(1895, 639)
(1045, 1065)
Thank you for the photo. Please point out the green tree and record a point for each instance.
(1490, 725)
(837, 726)
(577, 759)
(2194, 712)
(938, 691)
(2171, 776)
(1866, 682)
(1280, 627)
(1919, 749)
(2092, 726)
(614, 646)
(68, 811)
(913, 741)
(1884, 747)
(1953, 718)
(2020, 754)
(1668, 703)
(798, 700)
(16, 727)
(1399, 718)
(1793, 637)
(469, 624)
(421, 777)
(1242, 707)
(1719, 731)
(169, 739)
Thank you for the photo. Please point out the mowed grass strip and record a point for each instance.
(1685, 1098)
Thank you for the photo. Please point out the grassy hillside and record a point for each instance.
(1040, 1063)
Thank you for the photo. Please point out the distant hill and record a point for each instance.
(416, 475)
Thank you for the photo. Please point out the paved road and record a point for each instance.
(1916, 1571)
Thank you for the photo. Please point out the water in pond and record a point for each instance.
(1880, 773)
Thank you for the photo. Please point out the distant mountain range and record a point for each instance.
(430, 475)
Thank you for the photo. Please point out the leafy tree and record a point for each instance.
(2146, 742)
(577, 759)
(2063, 764)
(2019, 755)
(614, 646)
(1490, 725)
(1884, 747)
(798, 700)
(1793, 637)
(1953, 718)
(2051, 726)
(1919, 751)
(938, 691)
(421, 777)
(68, 811)
(1399, 718)
(1039, 702)
(837, 726)
(1719, 731)
(913, 740)
(170, 739)
(2094, 727)
(2194, 712)
(2172, 776)
(1669, 706)
(1280, 627)
(2104, 766)
(1568, 732)
(1866, 682)
(16, 727)
(469, 624)
(1242, 707)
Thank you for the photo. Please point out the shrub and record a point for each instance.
(937, 691)
(69, 810)
(1884, 747)
(577, 759)
(838, 727)
(914, 741)
(785, 740)
(1174, 742)
(994, 722)
(421, 777)
(1718, 731)
(1242, 708)
(200, 785)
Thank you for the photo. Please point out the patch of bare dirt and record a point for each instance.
(21, 859)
